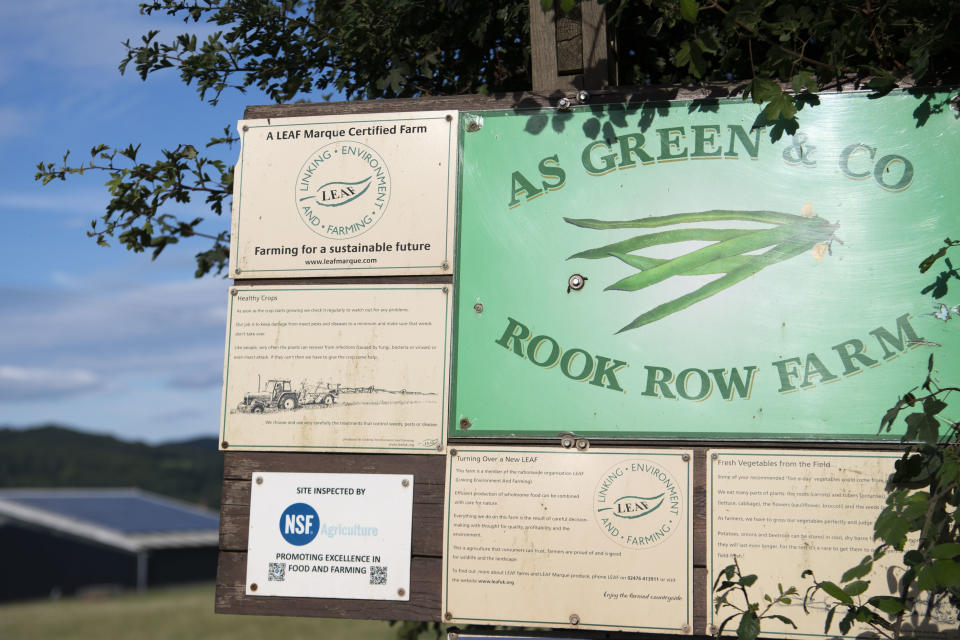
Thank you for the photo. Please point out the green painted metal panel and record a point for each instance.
(788, 304)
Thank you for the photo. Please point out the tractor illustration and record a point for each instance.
(280, 395)
(276, 394)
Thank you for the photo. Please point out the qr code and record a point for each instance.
(278, 571)
(378, 574)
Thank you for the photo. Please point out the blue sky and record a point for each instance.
(99, 338)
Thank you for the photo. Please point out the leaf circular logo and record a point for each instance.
(638, 504)
(299, 524)
(342, 190)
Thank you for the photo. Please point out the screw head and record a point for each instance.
(449, 117)
(714, 456)
(401, 592)
(478, 307)
(253, 587)
(445, 265)
(465, 423)
(439, 447)
(445, 289)
(453, 452)
(405, 483)
(686, 457)
(563, 104)
(576, 282)
(448, 616)
(234, 292)
(246, 128)
(225, 444)
(574, 618)
(259, 479)
(713, 627)
(582, 444)
(566, 442)
(583, 97)
(475, 124)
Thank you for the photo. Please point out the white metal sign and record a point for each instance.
(781, 512)
(330, 535)
(345, 195)
(337, 368)
(598, 539)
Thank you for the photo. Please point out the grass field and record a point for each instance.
(167, 614)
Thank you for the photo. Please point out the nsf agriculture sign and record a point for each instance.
(667, 270)
(330, 535)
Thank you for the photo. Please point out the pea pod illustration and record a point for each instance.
(734, 254)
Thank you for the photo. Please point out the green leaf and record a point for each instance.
(783, 619)
(829, 620)
(945, 550)
(802, 80)
(847, 620)
(836, 592)
(888, 418)
(947, 573)
(929, 260)
(566, 5)
(764, 90)
(749, 627)
(689, 10)
(859, 571)
(887, 604)
(932, 406)
(856, 588)
(748, 581)
(926, 578)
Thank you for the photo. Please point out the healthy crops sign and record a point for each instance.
(669, 270)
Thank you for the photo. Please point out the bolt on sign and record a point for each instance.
(596, 539)
(782, 512)
(640, 264)
(337, 368)
(345, 195)
(330, 535)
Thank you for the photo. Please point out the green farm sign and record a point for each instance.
(669, 271)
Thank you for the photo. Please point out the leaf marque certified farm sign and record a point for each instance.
(671, 270)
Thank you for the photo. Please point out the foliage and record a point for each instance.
(921, 520)
(53, 456)
(405, 48)
(731, 582)
(145, 196)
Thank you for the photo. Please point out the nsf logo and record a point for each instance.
(299, 524)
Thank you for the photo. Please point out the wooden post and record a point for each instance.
(569, 51)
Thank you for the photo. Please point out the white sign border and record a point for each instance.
(445, 267)
(258, 478)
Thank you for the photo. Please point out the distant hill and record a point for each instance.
(55, 456)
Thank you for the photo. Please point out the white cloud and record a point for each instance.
(88, 202)
(29, 383)
(118, 331)
(77, 35)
